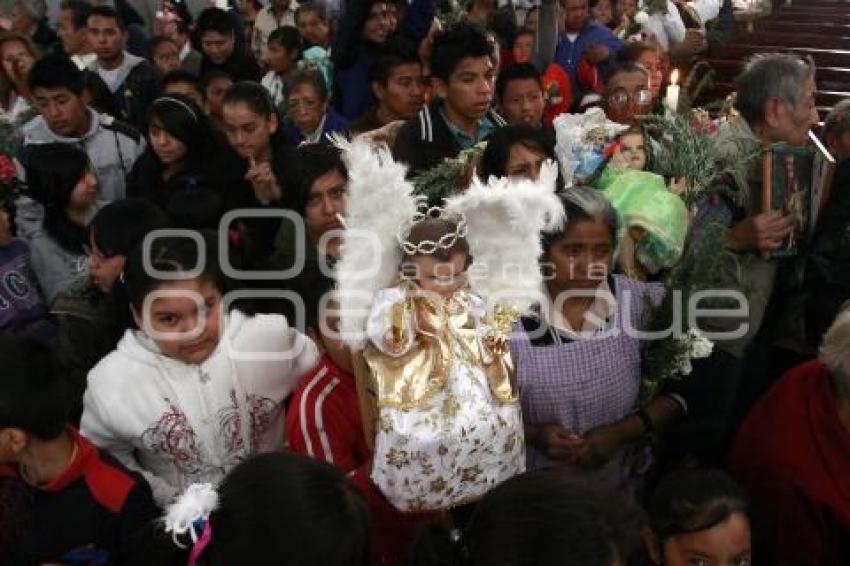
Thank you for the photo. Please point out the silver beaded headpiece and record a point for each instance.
(428, 247)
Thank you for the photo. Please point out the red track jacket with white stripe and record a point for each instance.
(324, 422)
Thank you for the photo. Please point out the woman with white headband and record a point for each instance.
(183, 152)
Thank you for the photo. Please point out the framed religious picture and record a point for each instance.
(796, 182)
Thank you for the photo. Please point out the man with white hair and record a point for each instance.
(776, 103)
(793, 457)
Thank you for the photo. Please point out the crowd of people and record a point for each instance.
(174, 198)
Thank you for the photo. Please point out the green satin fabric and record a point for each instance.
(643, 201)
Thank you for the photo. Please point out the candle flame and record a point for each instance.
(674, 77)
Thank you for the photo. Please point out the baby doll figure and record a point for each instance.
(448, 424)
(631, 150)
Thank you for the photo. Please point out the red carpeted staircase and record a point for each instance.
(818, 28)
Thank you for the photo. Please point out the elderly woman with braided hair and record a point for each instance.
(578, 361)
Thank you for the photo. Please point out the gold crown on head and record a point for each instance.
(428, 247)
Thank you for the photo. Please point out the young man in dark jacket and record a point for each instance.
(131, 80)
(461, 117)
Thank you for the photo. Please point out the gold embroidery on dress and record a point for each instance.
(444, 331)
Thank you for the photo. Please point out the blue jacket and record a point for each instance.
(569, 53)
(333, 123)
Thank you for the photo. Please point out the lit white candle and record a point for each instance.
(671, 99)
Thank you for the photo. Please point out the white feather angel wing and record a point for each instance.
(380, 200)
(504, 220)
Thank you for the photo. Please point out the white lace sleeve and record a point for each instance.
(379, 325)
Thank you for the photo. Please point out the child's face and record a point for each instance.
(602, 12)
(726, 544)
(279, 59)
(104, 269)
(166, 57)
(183, 318)
(438, 276)
(215, 94)
(634, 151)
(522, 48)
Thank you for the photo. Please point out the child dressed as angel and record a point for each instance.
(449, 426)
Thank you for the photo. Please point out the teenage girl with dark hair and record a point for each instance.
(253, 129)
(91, 318)
(699, 517)
(518, 150)
(276, 508)
(63, 189)
(183, 153)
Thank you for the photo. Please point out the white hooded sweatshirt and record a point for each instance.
(179, 424)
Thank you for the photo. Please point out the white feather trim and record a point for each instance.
(380, 200)
(196, 503)
(505, 218)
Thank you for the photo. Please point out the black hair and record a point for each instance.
(502, 24)
(52, 172)
(170, 254)
(694, 500)
(632, 50)
(257, 98)
(195, 209)
(34, 395)
(625, 68)
(56, 71)
(538, 518)
(214, 19)
(398, 52)
(458, 42)
(120, 226)
(287, 37)
(212, 75)
(253, 95)
(316, 7)
(310, 77)
(182, 118)
(523, 31)
(108, 12)
(156, 41)
(495, 156)
(182, 76)
(516, 72)
(302, 166)
(80, 12)
(315, 501)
